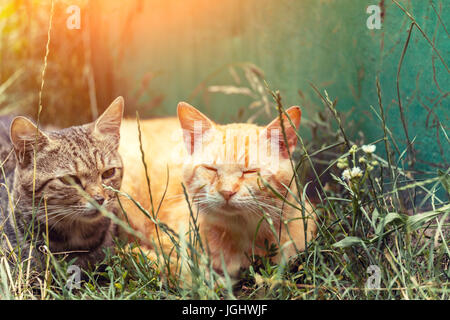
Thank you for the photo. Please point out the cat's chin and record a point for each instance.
(226, 210)
(90, 216)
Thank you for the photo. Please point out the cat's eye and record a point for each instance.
(209, 168)
(108, 173)
(70, 179)
(250, 171)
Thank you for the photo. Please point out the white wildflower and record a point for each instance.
(356, 172)
(346, 174)
(352, 173)
(369, 149)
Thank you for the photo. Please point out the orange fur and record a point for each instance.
(222, 181)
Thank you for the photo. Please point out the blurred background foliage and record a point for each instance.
(24, 26)
(218, 55)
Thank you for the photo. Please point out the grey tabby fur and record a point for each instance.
(68, 160)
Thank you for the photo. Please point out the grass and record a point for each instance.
(370, 219)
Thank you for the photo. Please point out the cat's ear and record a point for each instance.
(274, 131)
(194, 124)
(25, 136)
(108, 124)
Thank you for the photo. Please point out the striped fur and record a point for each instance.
(7, 165)
(68, 160)
(223, 179)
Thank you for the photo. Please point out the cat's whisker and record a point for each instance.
(62, 213)
(54, 224)
(54, 214)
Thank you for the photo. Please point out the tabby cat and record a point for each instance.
(226, 181)
(66, 161)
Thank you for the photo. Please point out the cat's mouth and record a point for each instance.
(227, 206)
(224, 209)
(219, 207)
(91, 214)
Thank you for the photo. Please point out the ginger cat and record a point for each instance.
(223, 168)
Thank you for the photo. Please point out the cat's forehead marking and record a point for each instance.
(77, 151)
(237, 144)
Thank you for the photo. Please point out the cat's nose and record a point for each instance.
(227, 194)
(100, 199)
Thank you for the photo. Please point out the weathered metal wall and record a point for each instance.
(177, 45)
